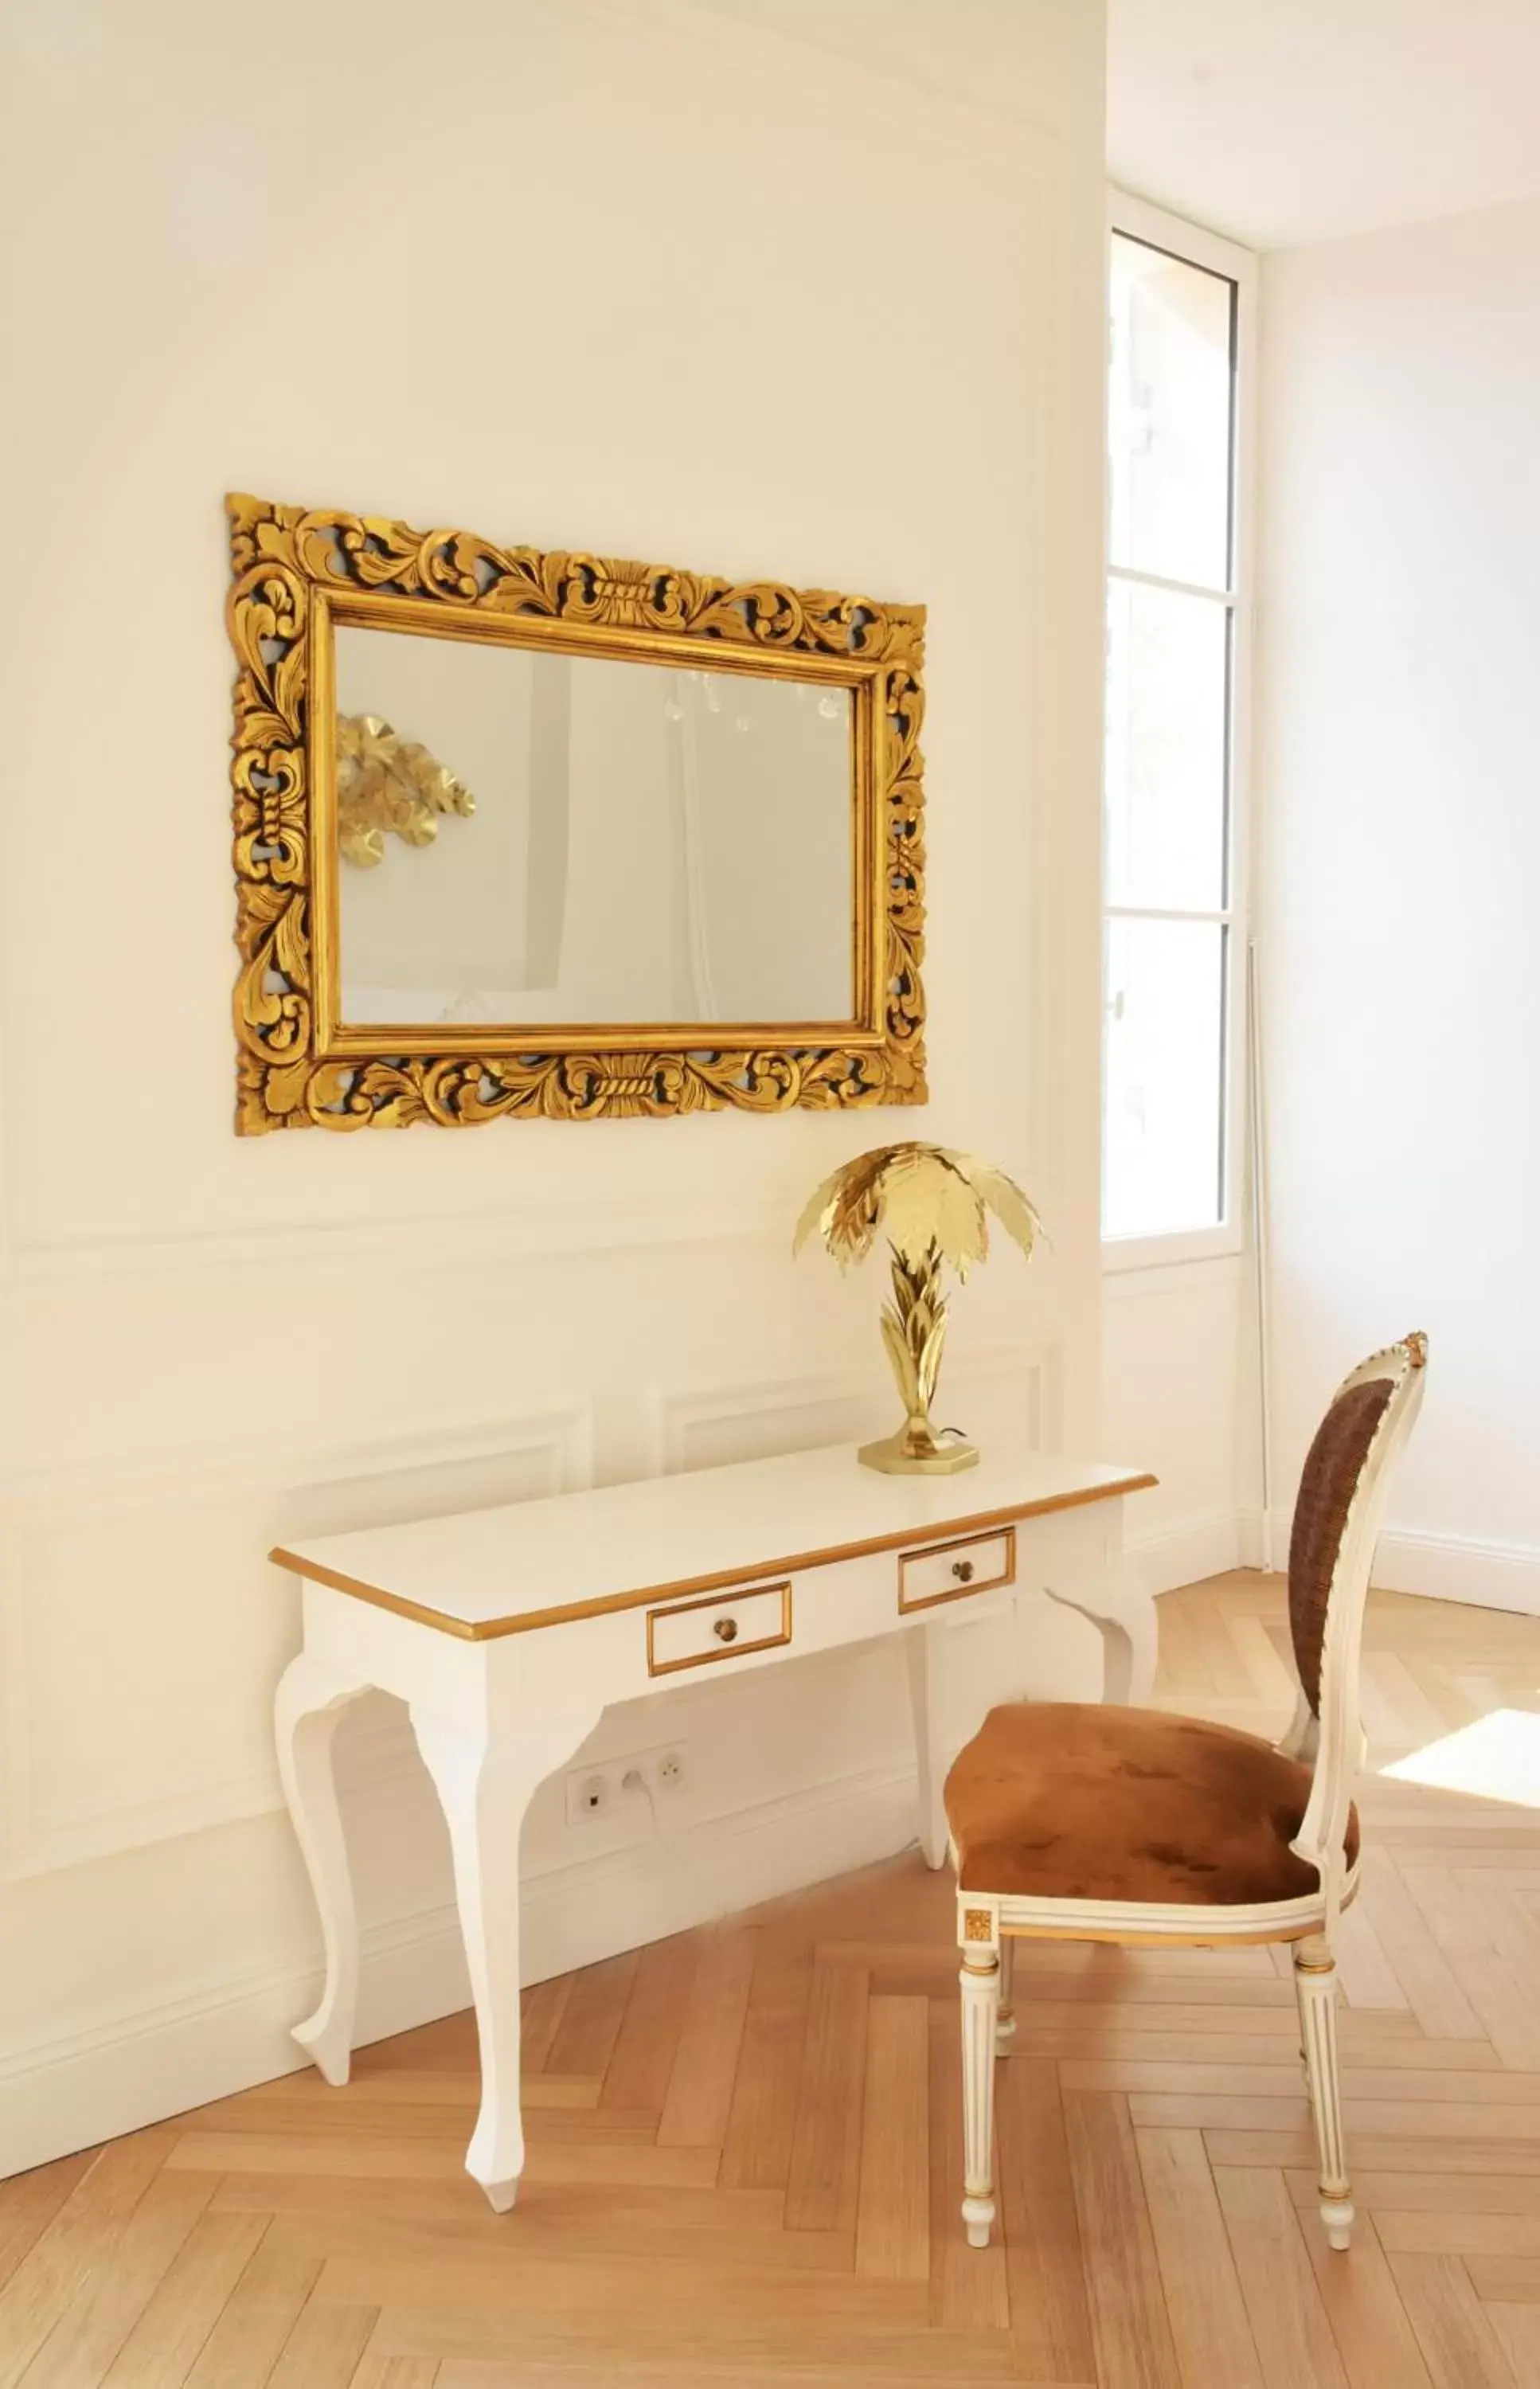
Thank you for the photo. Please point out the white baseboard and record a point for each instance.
(1446, 1567)
(1439, 1568)
(1449, 1567)
(1195, 1548)
(129, 2068)
(133, 2067)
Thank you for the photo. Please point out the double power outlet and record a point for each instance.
(619, 1783)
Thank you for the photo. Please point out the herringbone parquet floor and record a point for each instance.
(744, 2164)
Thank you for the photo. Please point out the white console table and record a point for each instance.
(508, 1632)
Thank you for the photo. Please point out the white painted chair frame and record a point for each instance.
(989, 1924)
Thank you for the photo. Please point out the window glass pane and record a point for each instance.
(1167, 707)
(1169, 415)
(1163, 1165)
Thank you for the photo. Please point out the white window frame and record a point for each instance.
(1142, 221)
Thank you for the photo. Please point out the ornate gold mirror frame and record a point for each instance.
(297, 573)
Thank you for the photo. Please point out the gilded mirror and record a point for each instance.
(524, 834)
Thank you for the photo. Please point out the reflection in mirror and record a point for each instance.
(535, 838)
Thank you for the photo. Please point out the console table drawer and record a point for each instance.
(951, 1571)
(723, 1626)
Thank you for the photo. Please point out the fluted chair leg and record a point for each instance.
(1315, 1986)
(981, 1993)
(1005, 2020)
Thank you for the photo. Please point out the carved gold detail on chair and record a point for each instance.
(977, 1924)
(385, 782)
(295, 571)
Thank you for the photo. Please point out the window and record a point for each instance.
(1178, 624)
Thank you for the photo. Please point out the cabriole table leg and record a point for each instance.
(310, 1700)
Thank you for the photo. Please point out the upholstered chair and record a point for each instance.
(1099, 1824)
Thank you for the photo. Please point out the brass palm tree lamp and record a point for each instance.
(930, 1203)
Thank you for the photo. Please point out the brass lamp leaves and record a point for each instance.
(931, 1203)
(927, 1203)
(844, 1209)
(918, 1196)
(1009, 1205)
(811, 1215)
(385, 782)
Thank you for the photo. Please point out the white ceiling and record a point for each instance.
(1282, 121)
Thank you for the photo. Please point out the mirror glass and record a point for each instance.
(529, 837)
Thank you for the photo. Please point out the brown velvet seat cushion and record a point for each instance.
(1080, 1802)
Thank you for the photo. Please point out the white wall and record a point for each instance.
(1180, 1398)
(1399, 812)
(817, 297)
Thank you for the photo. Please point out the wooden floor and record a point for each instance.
(743, 2161)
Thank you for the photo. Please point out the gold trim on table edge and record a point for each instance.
(745, 1579)
(957, 1591)
(296, 569)
(733, 1650)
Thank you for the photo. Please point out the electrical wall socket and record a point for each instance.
(601, 1790)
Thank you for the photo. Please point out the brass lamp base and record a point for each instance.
(893, 1458)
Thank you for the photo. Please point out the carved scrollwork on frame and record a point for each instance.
(293, 570)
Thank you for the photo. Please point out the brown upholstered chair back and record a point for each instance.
(1341, 1502)
(1333, 1469)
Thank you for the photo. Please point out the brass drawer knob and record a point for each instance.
(964, 1571)
(726, 1629)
